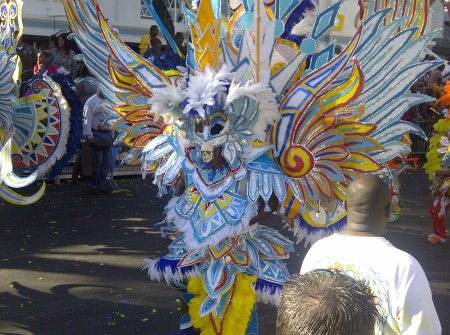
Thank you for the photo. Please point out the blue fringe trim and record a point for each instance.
(331, 229)
(76, 119)
(164, 263)
(263, 285)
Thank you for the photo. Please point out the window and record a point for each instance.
(145, 13)
(175, 8)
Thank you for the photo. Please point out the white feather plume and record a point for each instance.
(204, 87)
(166, 102)
(305, 26)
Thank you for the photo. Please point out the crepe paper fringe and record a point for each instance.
(163, 268)
(238, 314)
(310, 235)
(267, 292)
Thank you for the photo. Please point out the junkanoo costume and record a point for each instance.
(34, 130)
(438, 158)
(291, 119)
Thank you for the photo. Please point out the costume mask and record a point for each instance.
(207, 152)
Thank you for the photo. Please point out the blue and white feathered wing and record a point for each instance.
(125, 78)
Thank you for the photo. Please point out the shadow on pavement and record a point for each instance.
(72, 263)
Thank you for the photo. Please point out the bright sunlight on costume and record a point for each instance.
(287, 119)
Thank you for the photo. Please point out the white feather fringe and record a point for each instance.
(204, 87)
(267, 298)
(305, 26)
(309, 237)
(189, 237)
(166, 103)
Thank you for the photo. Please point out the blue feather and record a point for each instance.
(165, 263)
(263, 285)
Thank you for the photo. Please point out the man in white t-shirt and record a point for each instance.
(97, 133)
(397, 279)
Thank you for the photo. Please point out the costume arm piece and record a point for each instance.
(443, 173)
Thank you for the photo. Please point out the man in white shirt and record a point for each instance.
(360, 250)
(98, 134)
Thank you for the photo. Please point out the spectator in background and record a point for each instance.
(154, 51)
(423, 84)
(28, 57)
(158, 57)
(325, 302)
(179, 41)
(446, 72)
(147, 39)
(63, 57)
(98, 135)
(43, 65)
(52, 43)
(396, 278)
(173, 57)
(436, 81)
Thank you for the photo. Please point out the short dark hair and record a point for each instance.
(324, 302)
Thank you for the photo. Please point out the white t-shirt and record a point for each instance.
(93, 115)
(397, 279)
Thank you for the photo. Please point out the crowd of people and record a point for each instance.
(55, 57)
(163, 56)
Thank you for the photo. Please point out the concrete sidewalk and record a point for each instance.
(72, 263)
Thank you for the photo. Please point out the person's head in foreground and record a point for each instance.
(368, 206)
(326, 302)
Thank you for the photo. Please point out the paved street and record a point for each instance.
(72, 263)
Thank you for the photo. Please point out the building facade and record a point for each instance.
(43, 18)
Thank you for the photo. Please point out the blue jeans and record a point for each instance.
(102, 161)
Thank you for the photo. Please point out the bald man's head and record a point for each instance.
(368, 203)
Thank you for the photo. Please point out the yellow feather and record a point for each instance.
(237, 316)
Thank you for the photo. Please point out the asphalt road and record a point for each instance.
(72, 263)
